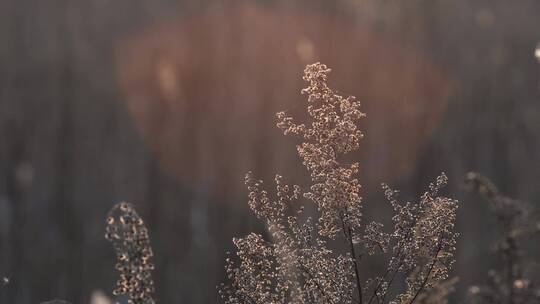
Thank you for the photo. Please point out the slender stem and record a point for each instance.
(378, 286)
(355, 261)
(319, 287)
(393, 277)
(400, 256)
(427, 275)
(348, 235)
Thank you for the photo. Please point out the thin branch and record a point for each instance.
(319, 287)
(396, 269)
(427, 275)
(355, 261)
(402, 258)
(348, 235)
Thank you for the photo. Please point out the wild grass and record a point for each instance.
(317, 257)
(297, 263)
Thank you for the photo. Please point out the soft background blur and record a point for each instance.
(167, 103)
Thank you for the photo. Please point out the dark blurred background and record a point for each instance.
(167, 103)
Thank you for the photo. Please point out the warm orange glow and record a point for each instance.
(204, 91)
(305, 50)
(167, 77)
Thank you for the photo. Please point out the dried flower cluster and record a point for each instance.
(296, 267)
(297, 264)
(129, 237)
(424, 244)
(517, 280)
(333, 131)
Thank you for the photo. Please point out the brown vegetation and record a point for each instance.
(297, 263)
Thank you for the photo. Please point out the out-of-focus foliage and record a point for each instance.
(515, 279)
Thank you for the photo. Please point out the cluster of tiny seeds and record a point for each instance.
(333, 131)
(296, 265)
(423, 244)
(376, 238)
(427, 247)
(129, 237)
